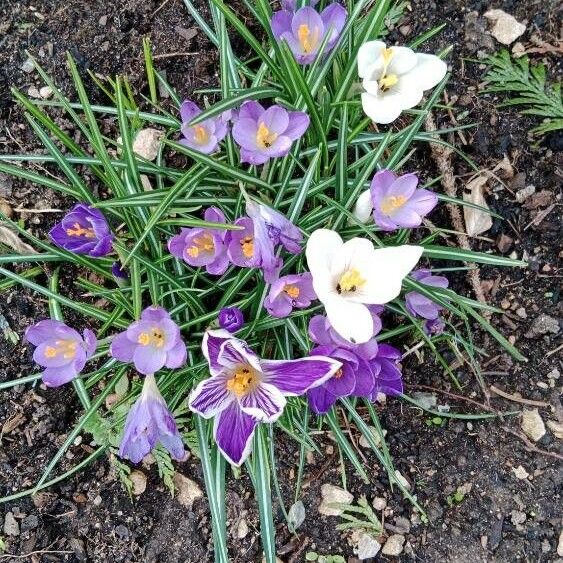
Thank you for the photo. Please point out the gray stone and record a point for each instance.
(394, 545)
(11, 526)
(532, 424)
(331, 494)
(29, 523)
(367, 547)
(28, 66)
(543, 324)
(506, 28)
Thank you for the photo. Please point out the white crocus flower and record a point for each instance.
(394, 79)
(348, 276)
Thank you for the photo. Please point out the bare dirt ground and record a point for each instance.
(511, 506)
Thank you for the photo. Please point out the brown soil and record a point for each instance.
(501, 518)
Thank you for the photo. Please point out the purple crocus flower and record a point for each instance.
(205, 136)
(388, 376)
(420, 305)
(306, 29)
(267, 133)
(231, 319)
(203, 246)
(151, 343)
(397, 202)
(244, 390)
(84, 230)
(434, 327)
(288, 292)
(60, 350)
(255, 245)
(149, 421)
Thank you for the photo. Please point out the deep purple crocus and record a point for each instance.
(289, 292)
(267, 133)
(60, 350)
(305, 29)
(203, 246)
(151, 343)
(397, 202)
(150, 422)
(420, 305)
(434, 327)
(367, 369)
(231, 319)
(205, 136)
(263, 230)
(244, 390)
(118, 272)
(84, 230)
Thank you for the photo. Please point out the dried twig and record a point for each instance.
(530, 446)
(516, 399)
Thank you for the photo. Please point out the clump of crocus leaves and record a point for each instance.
(268, 267)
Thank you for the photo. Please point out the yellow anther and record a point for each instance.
(387, 81)
(201, 135)
(350, 281)
(247, 245)
(50, 352)
(65, 347)
(153, 338)
(387, 55)
(292, 290)
(243, 381)
(392, 203)
(308, 40)
(201, 244)
(144, 339)
(338, 374)
(264, 137)
(78, 231)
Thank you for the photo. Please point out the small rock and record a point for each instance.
(33, 92)
(6, 208)
(394, 545)
(367, 547)
(30, 523)
(331, 494)
(139, 480)
(556, 428)
(401, 479)
(532, 424)
(517, 517)
(506, 28)
(296, 514)
(520, 472)
(28, 66)
(103, 21)
(376, 438)
(504, 242)
(11, 526)
(523, 194)
(46, 92)
(427, 401)
(403, 525)
(188, 490)
(122, 531)
(560, 545)
(521, 312)
(554, 374)
(147, 143)
(186, 34)
(242, 529)
(379, 503)
(77, 545)
(543, 324)
(405, 30)
(97, 501)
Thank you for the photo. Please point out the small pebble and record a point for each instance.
(331, 494)
(11, 526)
(532, 424)
(394, 545)
(46, 92)
(379, 503)
(28, 66)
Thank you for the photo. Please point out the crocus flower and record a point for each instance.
(434, 327)
(118, 272)
(255, 245)
(267, 133)
(150, 343)
(349, 276)
(149, 422)
(205, 136)
(387, 372)
(289, 292)
(395, 78)
(203, 246)
(84, 230)
(231, 319)
(60, 350)
(291, 5)
(306, 29)
(395, 201)
(244, 390)
(420, 305)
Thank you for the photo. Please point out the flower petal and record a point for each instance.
(43, 330)
(210, 397)
(364, 207)
(55, 377)
(428, 72)
(176, 356)
(188, 110)
(148, 359)
(322, 246)
(353, 321)
(122, 348)
(233, 433)
(211, 347)
(368, 55)
(281, 23)
(320, 399)
(298, 123)
(251, 110)
(265, 403)
(294, 377)
(380, 109)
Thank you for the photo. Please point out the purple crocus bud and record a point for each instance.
(434, 327)
(306, 29)
(244, 390)
(397, 202)
(387, 372)
(289, 292)
(149, 422)
(291, 5)
(420, 305)
(203, 246)
(118, 272)
(267, 133)
(205, 136)
(151, 343)
(231, 319)
(84, 230)
(60, 350)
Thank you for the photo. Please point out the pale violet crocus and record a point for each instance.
(395, 78)
(263, 134)
(305, 29)
(395, 201)
(148, 423)
(205, 136)
(420, 305)
(245, 390)
(290, 292)
(349, 277)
